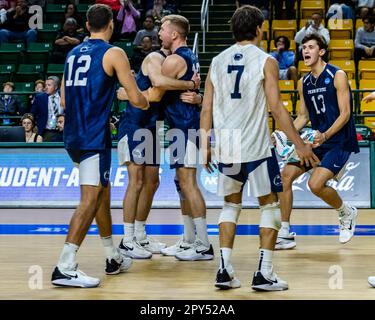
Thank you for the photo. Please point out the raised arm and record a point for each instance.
(281, 115)
(116, 62)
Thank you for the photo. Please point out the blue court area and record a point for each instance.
(177, 229)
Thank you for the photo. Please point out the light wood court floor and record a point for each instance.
(314, 269)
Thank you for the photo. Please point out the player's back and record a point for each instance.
(89, 94)
(320, 96)
(240, 103)
(180, 114)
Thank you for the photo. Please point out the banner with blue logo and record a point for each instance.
(32, 177)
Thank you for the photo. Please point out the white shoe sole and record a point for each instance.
(354, 224)
(234, 284)
(287, 246)
(197, 258)
(73, 283)
(267, 287)
(371, 282)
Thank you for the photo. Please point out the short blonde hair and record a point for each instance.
(180, 22)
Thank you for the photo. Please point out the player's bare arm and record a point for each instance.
(303, 114)
(116, 61)
(62, 93)
(206, 122)
(343, 99)
(281, 115)
(369, 98)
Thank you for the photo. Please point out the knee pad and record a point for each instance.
(230, 212)
(270, 216)
(178, 188)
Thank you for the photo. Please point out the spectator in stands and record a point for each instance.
(285, 58)
(39, 88)
(66, 40)
(150, 31)
(127, 17)
(140, 54)
(313, 25)
(340, 9)
(158, 11)
(10, 105)
(366, 7)
(31, 132)
(60, 128)
(16, 26)
(289, 6)
(72, 12)
(263, 5)
(46, 108)
(364, 42)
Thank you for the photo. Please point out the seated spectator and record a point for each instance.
(31, 132)
(285, 58)
(158, 11)
(72, 12)
(263, 5)
(364, 42)
(366, 7)
(16, 26)
(312, 26)
(127, 17)
(46, 108)
(66, 40)
(60, 128)
(289, 6)
(39, 88)
(10, 105)
(340, 10)
(150, 31)
(140, 54)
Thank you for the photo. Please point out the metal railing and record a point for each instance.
(196, 44)
(204, 21)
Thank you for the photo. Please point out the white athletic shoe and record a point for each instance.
(347, 223)
(73, 278)
(179, 246)
(225, 279)
(134, 250)
(115, 267)
(285, 242)
(152, 245)
(371, 281)
(270, 282)
(198, 251)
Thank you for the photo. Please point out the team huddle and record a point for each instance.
(240, 90)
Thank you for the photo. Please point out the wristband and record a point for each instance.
(194, 84)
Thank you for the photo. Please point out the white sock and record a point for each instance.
(201, 227)
(225, 256)
(67, 259)
(265, 261)
(284, 228)
(128, 232)
(140, 230)
(111, 251)
(189, 228)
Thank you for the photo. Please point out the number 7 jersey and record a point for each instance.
(320, 96)
(240, 113)
(89, 94)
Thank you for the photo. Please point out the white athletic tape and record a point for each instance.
(230, 212)
(270, 216)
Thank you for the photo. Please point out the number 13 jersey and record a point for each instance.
(240, 113)
(89, 94)
(320, 96)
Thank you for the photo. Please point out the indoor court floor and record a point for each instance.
(318, 268)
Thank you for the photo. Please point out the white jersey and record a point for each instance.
(240, 113)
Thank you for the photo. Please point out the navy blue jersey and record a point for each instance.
(180, 114)
(143, 118)
(321, 102)
(89, 93)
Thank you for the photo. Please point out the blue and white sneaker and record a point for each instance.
(73, 278)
